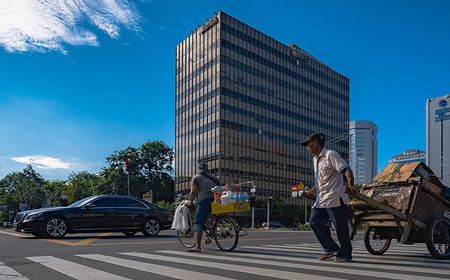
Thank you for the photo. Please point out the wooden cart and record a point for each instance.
(420, 215)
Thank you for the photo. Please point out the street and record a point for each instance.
(274, 254)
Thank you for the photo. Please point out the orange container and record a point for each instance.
(217, 196)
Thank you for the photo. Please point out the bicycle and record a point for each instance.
(222, 228)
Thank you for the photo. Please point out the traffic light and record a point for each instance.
(252, 201)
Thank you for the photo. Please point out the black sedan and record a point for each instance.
(105, 213)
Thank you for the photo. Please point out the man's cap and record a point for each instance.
(202, 167)
(315, 136)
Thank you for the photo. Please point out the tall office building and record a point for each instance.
(363, 158)
(243, 103)
(412, 155)
(438, 137)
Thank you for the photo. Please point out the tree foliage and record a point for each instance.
(25, 187)
(151, 170)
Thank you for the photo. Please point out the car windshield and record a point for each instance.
(80, 202)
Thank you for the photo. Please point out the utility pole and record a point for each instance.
(128, 179)
(268, 212)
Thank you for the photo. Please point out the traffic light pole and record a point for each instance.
(268, 212)
(253, 216)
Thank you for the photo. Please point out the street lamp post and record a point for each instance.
(268, 212)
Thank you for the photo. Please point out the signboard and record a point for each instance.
(294, 190)
(297, 190)
(299, 55)
(301, 188)
(210, 23)
(442, 112)
(148, 197)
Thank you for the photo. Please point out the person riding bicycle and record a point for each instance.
(201, 185)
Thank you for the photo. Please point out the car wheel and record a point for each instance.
(129, 233)
(55, 227)
(151, 227)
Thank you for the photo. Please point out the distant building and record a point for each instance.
(438, 137)
(409, 156)
(244, 101)
(363, 153)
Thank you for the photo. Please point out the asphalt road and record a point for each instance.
(273, 254)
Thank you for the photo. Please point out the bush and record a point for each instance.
(166, 205)
(305, 227)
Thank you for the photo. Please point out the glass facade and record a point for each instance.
(363, 154)
(245, 100)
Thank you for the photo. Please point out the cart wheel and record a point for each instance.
(438, 237)
(374, 244)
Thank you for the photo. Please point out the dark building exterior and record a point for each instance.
(245, 100)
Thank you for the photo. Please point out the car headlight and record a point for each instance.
(33, 216)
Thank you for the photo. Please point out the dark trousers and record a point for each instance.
(319, 218)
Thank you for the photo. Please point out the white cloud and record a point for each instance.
(43, 162)
(48, 25)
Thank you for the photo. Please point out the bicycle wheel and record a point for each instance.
(186, 237)
(226, 234)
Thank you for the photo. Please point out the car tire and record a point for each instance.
(56, 227)
(152, 227)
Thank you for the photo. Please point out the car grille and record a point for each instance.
(19, 217)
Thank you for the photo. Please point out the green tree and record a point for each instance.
(150, 168)
(25, 187)
(55, 193)
(81, 185)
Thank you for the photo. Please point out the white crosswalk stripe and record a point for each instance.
(281, 261)
(75, 270)
(364, 258)
(7, 273)
(239, 268)
(357, 268)
(153, 268)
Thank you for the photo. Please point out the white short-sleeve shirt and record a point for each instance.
(328, 168)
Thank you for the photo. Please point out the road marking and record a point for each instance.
(355, 249)
(84, 242)
(135, 243)
(16, 234)
(237, 268)
(364, 256)
(75, 270)
(314, 264)
(7, 273)
(174, 242)
(154, 268)
(368, 257)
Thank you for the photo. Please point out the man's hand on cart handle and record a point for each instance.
(311, 194)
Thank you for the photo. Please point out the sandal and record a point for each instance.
(327, 256)
(194, 249)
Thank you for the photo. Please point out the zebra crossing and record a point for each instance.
(282, 261)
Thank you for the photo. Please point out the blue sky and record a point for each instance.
(105, 83)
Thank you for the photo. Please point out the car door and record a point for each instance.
(129, 213)
(97, 214)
